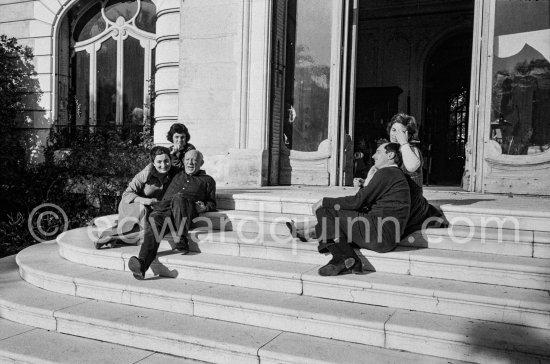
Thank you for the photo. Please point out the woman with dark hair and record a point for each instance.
(144, 190)
(401, 129)
(179, 136)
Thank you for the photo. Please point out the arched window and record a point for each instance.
(111, 62)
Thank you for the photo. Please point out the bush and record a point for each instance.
(17, 80)
(85, 180)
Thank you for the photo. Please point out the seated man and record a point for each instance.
(190, 193)
(374, 219)
(422, 213)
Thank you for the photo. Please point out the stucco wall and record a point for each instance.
(224, 86)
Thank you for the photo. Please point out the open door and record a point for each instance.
(308, 68)
(347, 99)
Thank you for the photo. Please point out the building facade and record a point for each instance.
(281, 92)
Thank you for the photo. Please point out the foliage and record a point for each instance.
(85, 180)
(17, 79)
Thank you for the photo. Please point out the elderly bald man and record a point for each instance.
(190, 193)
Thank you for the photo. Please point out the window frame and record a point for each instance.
(119, 31)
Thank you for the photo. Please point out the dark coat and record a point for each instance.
(375, 217)
(198, 187)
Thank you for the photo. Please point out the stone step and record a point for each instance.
(475, 239)
(270, 226)
(456, 333)
(481, 301)
(274, 224)
(532, 213)
(198, 338)
(26, 344)
(268, 223)
(522, 272)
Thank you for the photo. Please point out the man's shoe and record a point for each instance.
(357, 268)
(337, 266)
(136, 267)
(348, 252)
(182, 246)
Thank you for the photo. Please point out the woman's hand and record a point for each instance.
(200, 206)
(316, 206)
(402, 137)
(358, 182)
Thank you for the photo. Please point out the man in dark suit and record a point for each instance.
(374, 218)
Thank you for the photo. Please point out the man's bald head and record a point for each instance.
(193, 161)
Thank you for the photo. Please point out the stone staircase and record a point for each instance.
(250, 293)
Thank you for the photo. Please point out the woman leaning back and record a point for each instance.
(144, 190)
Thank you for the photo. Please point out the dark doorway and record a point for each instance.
(447, 94)
(401, 68)
(374, 107)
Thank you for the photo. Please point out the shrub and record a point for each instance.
(17, 80)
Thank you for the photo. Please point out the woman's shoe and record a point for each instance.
(101, 242)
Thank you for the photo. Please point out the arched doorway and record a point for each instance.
(447, 90)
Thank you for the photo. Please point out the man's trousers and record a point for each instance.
(170, 216)
(354, 226)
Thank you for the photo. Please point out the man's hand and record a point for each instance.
(200, 206)
(358, 182)
(316, 206)
(150, 201)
